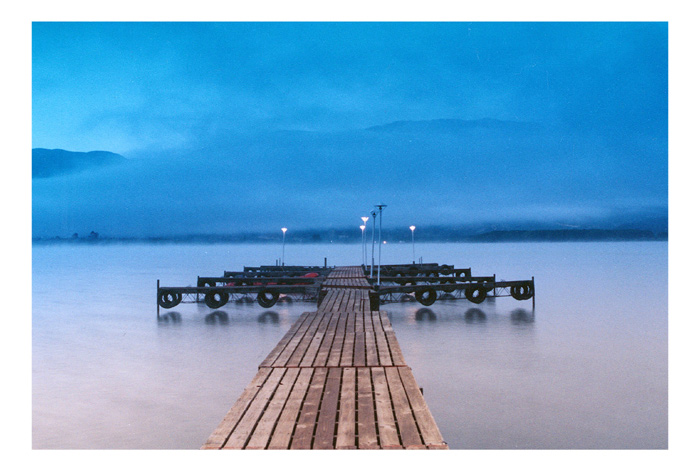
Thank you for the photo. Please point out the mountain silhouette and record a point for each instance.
(52, 162)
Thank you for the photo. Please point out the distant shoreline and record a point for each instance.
(565, 235)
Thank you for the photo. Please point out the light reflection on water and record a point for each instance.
(587, 368)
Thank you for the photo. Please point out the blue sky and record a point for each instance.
(283, 108)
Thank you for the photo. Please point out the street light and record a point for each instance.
(374, 222)
(413, 240)
(284, 233)
(380, 206)
(362, 240)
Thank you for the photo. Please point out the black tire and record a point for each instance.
(216, 299)
(447, 290)
(521, 292)
(475, 293)
(445, 270)
(426, 296)
(169, 298)
(268, 298)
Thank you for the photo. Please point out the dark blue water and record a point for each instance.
(587, 368)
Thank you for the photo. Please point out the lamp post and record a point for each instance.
(284, 234)
(374, 222)
(413, 241)
(364, 241)
(380, 206)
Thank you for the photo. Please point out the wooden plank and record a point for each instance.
(408, 430)
(346, 357)
(315, 343)
(291, 346)
(366, 425)
(325, 429)
(304, 431)
(396, 354)
(302, 399)
(303, 345)
(388, 435)
(272, 356)
(263, 431)
(338, 341)
(386, 323)
(359, 322)
(218, 438)
(383, 349)
(324, 349)
(282, 435)
(424, 419)
(359, 358)
(245, 426)
(346, 414)
(371, 349)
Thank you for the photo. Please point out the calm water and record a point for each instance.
(587, 369)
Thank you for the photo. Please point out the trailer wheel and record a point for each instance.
(445, 269)
(216, 299)
(426, 296)
(475, 293)
(268, 298)
(169, 298)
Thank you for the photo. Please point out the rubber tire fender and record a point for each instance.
(213, 303)
(264, 300)
(521, 292)
(425, 296)
(475, 293)
(448, 290)
(169, 298)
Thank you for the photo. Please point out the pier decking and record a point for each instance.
(336, 380)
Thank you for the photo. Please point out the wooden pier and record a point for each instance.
(336, 380)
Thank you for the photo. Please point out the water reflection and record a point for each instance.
(475, 315)
(424, 314)
(217, 317)
(269, 316)
(522, 316)
(172, 317)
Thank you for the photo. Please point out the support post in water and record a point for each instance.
(157, 303)
(380, 206)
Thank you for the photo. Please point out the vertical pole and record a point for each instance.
(413, 241)
(157, 303)
(374, 222)
(533, 294)
(379, 267)
(364, 248)
(325, 262)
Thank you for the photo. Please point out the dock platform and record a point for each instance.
(336, 380)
